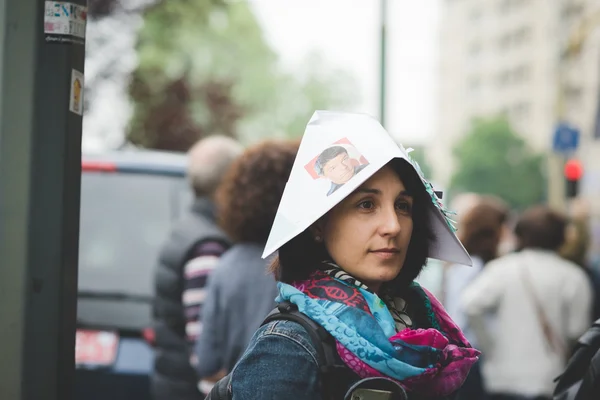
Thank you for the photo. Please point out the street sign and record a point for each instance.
(566, 138)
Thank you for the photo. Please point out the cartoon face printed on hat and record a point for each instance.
(337, 164)
(338, 152)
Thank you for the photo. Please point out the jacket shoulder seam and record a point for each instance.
(279, 332)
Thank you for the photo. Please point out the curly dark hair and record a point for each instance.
(302, 255)
(248, 197)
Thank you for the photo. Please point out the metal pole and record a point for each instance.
(40, 173)
(556, 162)
(383, 62)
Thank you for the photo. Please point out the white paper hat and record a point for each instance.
(367, 147)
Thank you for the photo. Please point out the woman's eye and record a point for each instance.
(367, 205)
(404, 206)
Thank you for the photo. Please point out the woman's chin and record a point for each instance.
(377, 279)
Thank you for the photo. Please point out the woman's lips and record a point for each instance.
(386, 254)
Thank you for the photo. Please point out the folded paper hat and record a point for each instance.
(339, 151)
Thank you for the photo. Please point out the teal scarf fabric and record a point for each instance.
(431, 361)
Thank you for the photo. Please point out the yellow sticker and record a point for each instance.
(76, 97)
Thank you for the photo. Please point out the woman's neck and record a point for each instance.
(374, 286)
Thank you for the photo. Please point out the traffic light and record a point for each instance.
(573, 173)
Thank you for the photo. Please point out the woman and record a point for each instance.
(480, 231)
(240, 292)
(352, 272)
(540, 304)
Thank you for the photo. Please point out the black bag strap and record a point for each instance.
(321, 339)
(323, 343)
(221, 390)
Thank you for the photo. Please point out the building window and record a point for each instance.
(504, 42)
(522, 35)
(515, 38)
(572, 10)
(503, 79)
(474, 49)
(506, 6)
(520, 112)
(574, 96)
(520, 74)
(475, 15)
(474, 85)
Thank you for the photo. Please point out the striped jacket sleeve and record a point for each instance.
(203, 260)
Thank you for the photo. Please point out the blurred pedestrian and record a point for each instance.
(577, 244)
(577, 240)
(480, 230)
(541, 304)
(188, 256)
(460, 205)
(241, 291)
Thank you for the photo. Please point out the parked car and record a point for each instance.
(129, 201)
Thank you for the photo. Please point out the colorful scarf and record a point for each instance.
(431, 361)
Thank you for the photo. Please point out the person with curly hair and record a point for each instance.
(240, 291)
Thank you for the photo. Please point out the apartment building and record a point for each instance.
(504, 56)
(509, 56)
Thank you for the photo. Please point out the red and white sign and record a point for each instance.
(96, 347)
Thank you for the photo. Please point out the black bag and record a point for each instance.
(334, 374)
(581, 378)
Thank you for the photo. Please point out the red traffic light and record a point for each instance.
(573, 170)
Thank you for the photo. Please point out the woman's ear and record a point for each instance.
(316, 230)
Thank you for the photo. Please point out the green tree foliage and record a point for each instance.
(493, 159)
(205, 68)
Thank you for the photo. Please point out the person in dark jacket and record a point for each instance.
(186, 259)
(240, 291)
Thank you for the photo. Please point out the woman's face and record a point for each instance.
(368, 233)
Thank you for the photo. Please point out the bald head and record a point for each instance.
(208, 160)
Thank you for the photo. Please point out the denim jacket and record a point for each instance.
(280, 363)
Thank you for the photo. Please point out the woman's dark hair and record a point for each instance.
(481, 228)
(540, 227)
(299, 257)
(248, 197)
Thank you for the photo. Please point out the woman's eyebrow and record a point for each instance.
(404, 193)
(367, 190)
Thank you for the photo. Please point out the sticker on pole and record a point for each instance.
(64, 22)
(76, 97)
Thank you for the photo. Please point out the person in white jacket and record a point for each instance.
(540, 304)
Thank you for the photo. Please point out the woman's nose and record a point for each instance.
(389, 224)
